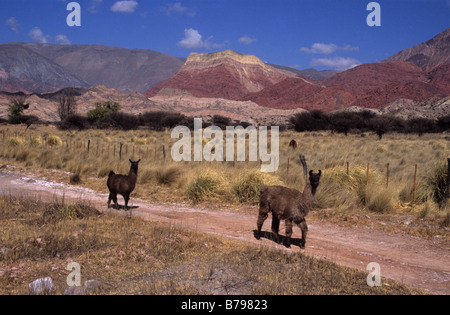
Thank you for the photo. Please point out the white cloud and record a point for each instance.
(327, 49)
(246, 40)
(62, 40)
(338, 63)
(193, 40)
(178, 9)
(13, 24)
(38, 36)
(124, 6)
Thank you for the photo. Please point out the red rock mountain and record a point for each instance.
(369, 86)
(428, 55)
(416, 74)
(224, 74)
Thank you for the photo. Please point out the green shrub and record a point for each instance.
(433, 186)
(246, 188)
(14, 142)
(207, 185)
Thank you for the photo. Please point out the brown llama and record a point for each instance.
(122, 184)
(289, 205)
(293, 144)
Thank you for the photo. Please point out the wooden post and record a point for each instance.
(287, 170)
(447, 187)
(387, 175)
(367, 180)
(414, 187)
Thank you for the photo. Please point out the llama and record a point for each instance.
(293, 144)
(122, 184)
(289, 205)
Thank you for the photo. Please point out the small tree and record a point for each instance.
(15, 110)
(67, 104)
(380, 125)
(102, 110)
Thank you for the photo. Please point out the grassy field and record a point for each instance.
(133, 256)
(345, 192)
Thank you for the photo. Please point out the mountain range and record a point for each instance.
(152, 80)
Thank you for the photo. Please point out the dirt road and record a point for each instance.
(411, 260)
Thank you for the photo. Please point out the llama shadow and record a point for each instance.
(119, 207)
(282, 238)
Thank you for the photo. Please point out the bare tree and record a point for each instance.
(67, 104)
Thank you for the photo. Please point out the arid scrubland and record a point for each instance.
(354, 168)
(134, 256)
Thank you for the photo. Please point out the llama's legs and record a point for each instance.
(304, 227)
(126, 197)
(261, 218)
(113, 197)
(109, 200)
(288, 233)
(276, 228)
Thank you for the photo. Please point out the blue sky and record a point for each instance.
(325, 34)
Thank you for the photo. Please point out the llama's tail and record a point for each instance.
(111, 174)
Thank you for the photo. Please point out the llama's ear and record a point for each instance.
(138, 161)
(320, 172)
(130, 160)
(310, 173)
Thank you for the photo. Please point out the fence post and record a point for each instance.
(387, 175)
(414, 187)
(287, 170)
(447, 188)
(367, 180)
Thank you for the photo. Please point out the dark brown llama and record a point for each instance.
(289, 205)
(122, 184)
(293, 144)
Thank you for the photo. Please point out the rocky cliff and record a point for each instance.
(225, 74)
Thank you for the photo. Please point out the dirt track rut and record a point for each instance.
(411, 260)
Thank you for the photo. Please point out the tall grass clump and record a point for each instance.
(14, 142)
(246, 188)
(54, 141)
(168, 175)
(433, 185)
(340, 190)
(207, 185)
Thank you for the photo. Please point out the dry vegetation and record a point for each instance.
(133, 256)
(238, 183)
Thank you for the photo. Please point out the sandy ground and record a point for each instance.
(411, 260)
